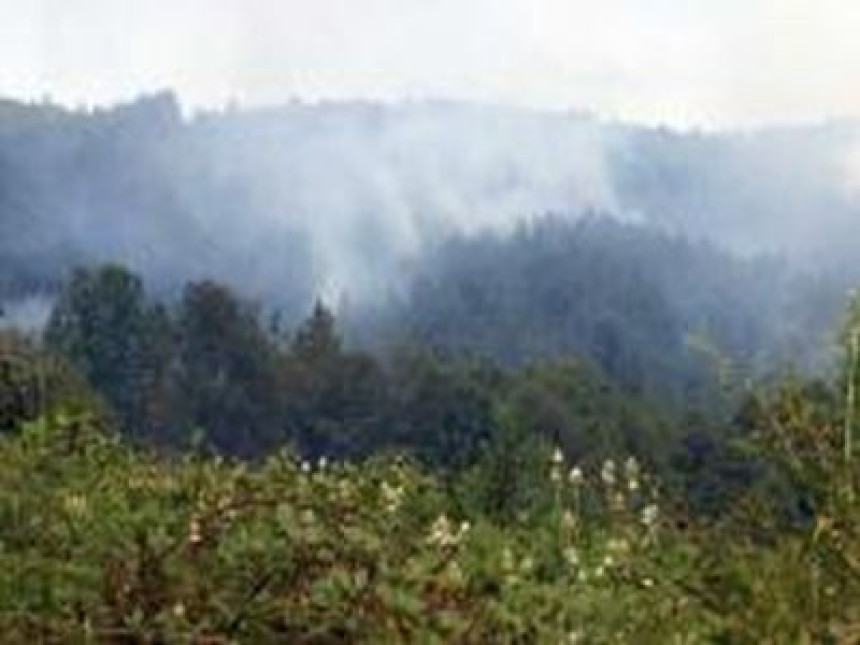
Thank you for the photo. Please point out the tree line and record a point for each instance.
(212, 370)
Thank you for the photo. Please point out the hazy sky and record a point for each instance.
(678, 61)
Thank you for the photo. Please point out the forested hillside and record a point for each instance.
(342, 198)
(351, 278)
(427, 372)
(533, 541)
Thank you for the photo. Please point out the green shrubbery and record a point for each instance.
(103, 542)
(551, 534)
(32, 381)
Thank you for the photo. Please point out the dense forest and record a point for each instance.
(342, 198)
(553, 531)
(424, 373)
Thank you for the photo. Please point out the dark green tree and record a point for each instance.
(105, 325)
(441, 410)
(335, 399)
(35, 383)
(223, 379)
(317, 339)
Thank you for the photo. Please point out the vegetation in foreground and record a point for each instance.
(102, 542)
(550, 532)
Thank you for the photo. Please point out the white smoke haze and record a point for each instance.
(343, 198)
(705, 63)
(383, 195)
(404, 122)
(369, 185)
(29, 313)
(852, 169)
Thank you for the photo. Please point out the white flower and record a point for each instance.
(568, 519)
(306, 467)
(195, 531)
(631, 470)
(455, 573)
(571, 555)
(344, 488)
(442, 535)
(557, 456)
(507, 559)
(607, 473)
(649, 515)
(179, 610)
(575, 476)
(631, 467)
(647, 582)
(76, 504)
(322, 463)
(440, 532)
(392, 496)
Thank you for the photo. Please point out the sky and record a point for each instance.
(702, 63)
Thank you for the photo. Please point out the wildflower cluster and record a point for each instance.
(621, 522)
(195, 531)
(371, 552)
(444, 535)
(392, 496)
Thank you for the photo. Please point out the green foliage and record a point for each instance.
(440, 410)
(104, 542)
(33, 382)
(317, 339)
(577, 407)
(629, 301)
(787, 568)
(208, 365)
(509, 479)
(105, 326)
(223, 371)
(534, 524)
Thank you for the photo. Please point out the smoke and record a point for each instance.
(343, 199)
(777, 190)
(371, 186)
(26, 314)
(344, 196)
(852, 169)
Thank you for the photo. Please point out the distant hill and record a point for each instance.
(362, 202)
(336, 195)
